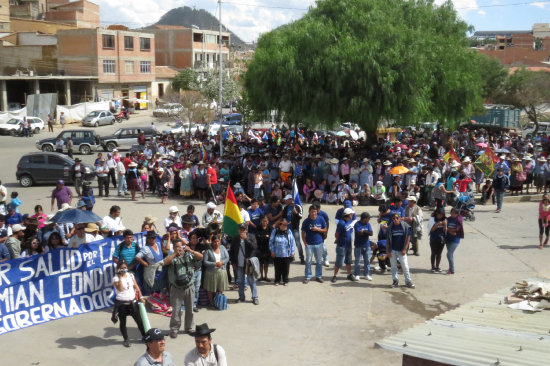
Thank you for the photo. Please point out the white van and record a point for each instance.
(528, 129)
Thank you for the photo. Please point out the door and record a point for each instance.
(57, 168)
(127, 138)
(37, 168)
(64, 137)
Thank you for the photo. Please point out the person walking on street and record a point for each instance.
(455, 232)
(313, 230)
(398, 240)
(50, 122)
(59, 143)
(156, 353)
(343, 235)
(501, 183)
(181, 276)
(205, 353)
(70, 146)
(77, 172)
(363, 230)
(243, 247)
(62, 194)
(62, 119)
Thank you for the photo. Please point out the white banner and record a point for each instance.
(6, 116)
(77, 112)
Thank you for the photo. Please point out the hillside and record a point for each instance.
(188, 17)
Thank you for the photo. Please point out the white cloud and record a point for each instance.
(538, 4)
(481, 12)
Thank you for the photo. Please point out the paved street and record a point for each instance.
(313, 324)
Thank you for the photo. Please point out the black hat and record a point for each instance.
(202, 330)
(153, 334)
(243, 227)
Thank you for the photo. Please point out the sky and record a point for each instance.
(250, 18)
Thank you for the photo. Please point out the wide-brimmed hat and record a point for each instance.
(387, 162)
(211, 205)
(202, 330)
(455, 164)
(91, 227)
(237, 185)
(64, 207)
(411, 199)
(132, 165)
(334, 161)
(467, 160)
(150, 219)
(541, 159)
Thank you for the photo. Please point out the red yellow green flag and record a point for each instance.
(451, 155)
(231, 215)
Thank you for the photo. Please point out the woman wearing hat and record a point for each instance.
(186, 180)
(150, 257)
(132, 176)
(282, 248)
(528, 169)
(163, 185)
(149, 224)
(517, 177)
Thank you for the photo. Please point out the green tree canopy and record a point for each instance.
(186, 80)
(365, 61)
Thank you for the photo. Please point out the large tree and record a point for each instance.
(528, 91)
(367, 61)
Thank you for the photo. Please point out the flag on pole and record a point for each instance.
(231, 215)
(295, 194)
(451, 155)
(485, 164)
(491, 155)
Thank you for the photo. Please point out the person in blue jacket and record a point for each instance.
(363, 230)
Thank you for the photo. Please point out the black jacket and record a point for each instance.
(250, 248)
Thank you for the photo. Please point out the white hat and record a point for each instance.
(288, 197)
(467, 159)
(173, 209)
(132, 165)
(17, 227)
(379, 183)
(348, 211)
(160, 169)
(502, 156)
(64, 207)
(211, 205)
(48, 219)
(387, 162)
(237, 185)
(455, 163)
(115, 150)
(411, 198)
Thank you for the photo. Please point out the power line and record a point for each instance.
(265, 6)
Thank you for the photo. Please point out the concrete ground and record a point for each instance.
(313, 324)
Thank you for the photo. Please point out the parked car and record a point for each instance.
(215, 128)
(181, 128)
(98, 118)
(125, 137)
(84, 141)
(13, 126)
(168, 109)
(36, 168)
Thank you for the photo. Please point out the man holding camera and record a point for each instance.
(181, 277)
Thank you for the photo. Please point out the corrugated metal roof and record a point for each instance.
(482, 332)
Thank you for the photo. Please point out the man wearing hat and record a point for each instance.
(155, 354)
(205, 353)
(414, 217)
(211, 215)
(62, 194)
(13, 243)
(502, 164)
(243, 248)
(93, 230)
(77, 172)
(102, 172)
(398, 240)
(343, 235)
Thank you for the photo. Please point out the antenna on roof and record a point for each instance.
(194, 26)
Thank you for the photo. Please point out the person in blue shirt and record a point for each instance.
(324, 215)
(454, 233)
(127, 250)
(397, 245)
(13, 217)
(340, 213)
(343, 235)
(397, 207)
(314, 230)
(15, 201)
(255, 214)
(363, 230)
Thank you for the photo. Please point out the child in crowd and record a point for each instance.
(15, 202)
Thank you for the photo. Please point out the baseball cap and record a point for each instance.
(347, 204)
(17, 227)
(60, 181)
(288, 197)
(348, 211)
(173, 209)
(153, 334)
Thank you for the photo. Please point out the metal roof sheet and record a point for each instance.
(482, 332)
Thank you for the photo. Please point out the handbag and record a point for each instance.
(220, 301)
(521, 176)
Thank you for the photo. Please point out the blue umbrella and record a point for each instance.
(75, 215)
(504, 151)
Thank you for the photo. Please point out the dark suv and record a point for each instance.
(85, 141)
(125, 137)
(47, 167)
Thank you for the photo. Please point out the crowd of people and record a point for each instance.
(402, 178)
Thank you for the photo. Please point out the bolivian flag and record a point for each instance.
(231, 215)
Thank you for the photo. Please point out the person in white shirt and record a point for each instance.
(111, 164)
(80, 237)
(121, 176)
(93, 230)
(205, 353)
(113, 221)
(173, 218)
(211, 214)
(102, 172)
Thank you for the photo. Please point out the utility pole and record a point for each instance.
(220, 132)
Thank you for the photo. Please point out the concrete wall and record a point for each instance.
(41, 59)
(83, 14)
(36, 39)
(29, 25)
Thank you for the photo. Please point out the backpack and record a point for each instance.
(184, 279)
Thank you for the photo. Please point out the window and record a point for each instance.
(129, 67)
(54, 160)
(108, 41)
(145, 44)
(37, 159)
(108, 66)
(145, 67)
(79, 135)
(128, 43)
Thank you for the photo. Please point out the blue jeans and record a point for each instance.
(395, 255)
(452, 244)
(198, 276)
(121, 183)
(297, 241)
(499, 194)
(325, 253)
(317, 251)
(365, 254)
(251, 282)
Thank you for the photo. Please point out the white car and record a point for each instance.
(168, 109)
(13, 126)
(181, 128)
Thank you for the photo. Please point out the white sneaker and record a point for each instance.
(377, 268)
(327, 264)
(369, 278)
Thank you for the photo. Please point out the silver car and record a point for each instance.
(98, 118)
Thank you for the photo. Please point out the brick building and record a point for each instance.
(4, 16)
